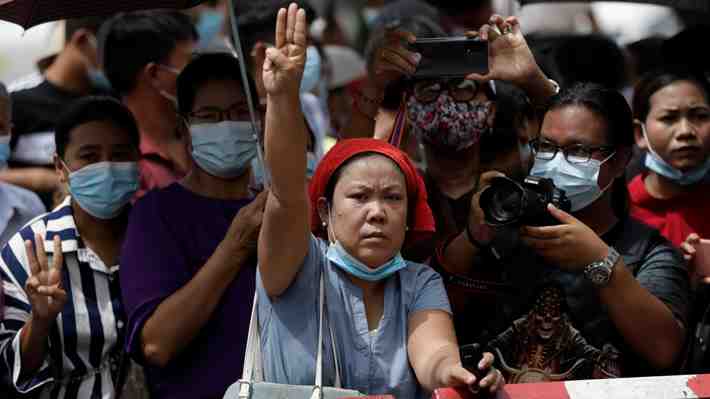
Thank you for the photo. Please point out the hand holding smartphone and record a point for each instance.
(471, 355)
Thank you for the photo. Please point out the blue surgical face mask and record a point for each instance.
(579, 181)
(223, 149)
(656, 164)
(311, 72)
(209, 26)
(4, 151)
(103, 189)
(340, 257)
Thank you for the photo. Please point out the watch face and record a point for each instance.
(599, 275)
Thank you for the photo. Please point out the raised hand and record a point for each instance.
(44, 287)
(509, 57)
(393, 60)
(283, 67)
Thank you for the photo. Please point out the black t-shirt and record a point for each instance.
(35, 111)
(508, 294)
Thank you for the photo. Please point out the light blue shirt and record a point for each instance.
(17, 207)
(370, 362)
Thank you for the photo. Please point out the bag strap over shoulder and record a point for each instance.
(253, 371)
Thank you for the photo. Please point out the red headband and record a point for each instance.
(420, 217)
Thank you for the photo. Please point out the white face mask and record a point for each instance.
(579, 181)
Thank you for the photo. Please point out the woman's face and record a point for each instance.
(575, 125)
(369, 210)
(678, 125)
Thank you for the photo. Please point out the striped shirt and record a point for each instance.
(84, 346)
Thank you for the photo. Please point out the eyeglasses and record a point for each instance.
(427, 91)
(237, 112)
(574, 154)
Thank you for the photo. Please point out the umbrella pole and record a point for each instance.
(250, 100)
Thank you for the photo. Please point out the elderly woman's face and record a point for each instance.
(369, 210)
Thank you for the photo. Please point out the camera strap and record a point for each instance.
(400, 120)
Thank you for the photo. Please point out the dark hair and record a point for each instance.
(589, 58)
(612, 107)
(130, 41)
(90, 109)
(92, 24)
(683, 48)
(5, 96)
(512, 108)
(419, 26)
(207, 68)
(257, 20)
(657, 80)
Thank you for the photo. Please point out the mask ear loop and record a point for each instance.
(330, 231)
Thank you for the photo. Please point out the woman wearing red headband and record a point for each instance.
(390, 318)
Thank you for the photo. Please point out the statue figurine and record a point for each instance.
(544, 346)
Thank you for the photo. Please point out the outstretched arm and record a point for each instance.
(283, 242)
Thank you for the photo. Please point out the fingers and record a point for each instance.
(491, 380)
(398, 35)
(693, 239)
(260, 200)
(486, 361)
(480, 78)
(542, 245)
(58, 256)
(41, 253)
(561, 215)
(32, 285)
(400, 60)
(460, 376)
(487, 177)
(281, 28)
(300, 37)
(32, 258)
(545, 232)
(275, 57)
(291, 22)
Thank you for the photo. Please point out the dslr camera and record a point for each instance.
(506, 202)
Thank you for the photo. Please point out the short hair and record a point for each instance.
(130, 41)
(5, 96)
(512, 108)
(206, 68)
(613, 108)
(589, 58)
(91, 109)
(657, 80)
(257, 19)
(92, 24)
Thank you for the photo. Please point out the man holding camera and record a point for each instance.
(623, 306)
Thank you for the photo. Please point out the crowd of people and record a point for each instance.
(162, 200)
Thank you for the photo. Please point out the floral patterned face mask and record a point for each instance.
(447, 124)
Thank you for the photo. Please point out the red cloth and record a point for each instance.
(157, 170)
(421, 221)
(675, 218)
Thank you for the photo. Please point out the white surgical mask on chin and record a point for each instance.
(579, 181)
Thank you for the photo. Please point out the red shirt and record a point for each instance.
(157, 169)
(675, 218)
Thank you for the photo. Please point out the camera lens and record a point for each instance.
(503, 203)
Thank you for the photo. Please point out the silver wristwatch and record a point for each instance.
(599, 273)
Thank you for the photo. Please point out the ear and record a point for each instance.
(638, 135)
(61, 171)
(80, 37)
(323, 209)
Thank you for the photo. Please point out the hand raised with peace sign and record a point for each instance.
(283, 67)
(44, 287)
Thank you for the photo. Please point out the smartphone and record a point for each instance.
(450, 57)
(702, 258)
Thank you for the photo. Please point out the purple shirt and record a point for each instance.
(171, 234)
